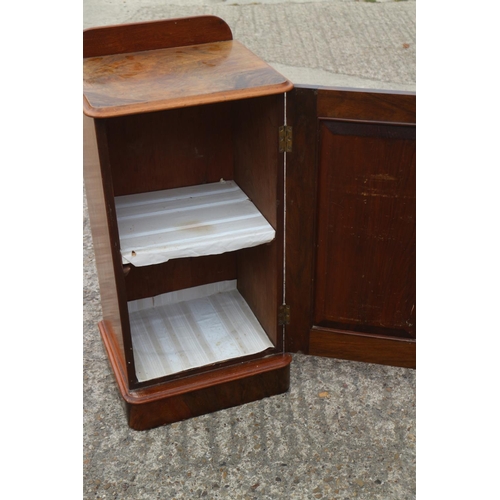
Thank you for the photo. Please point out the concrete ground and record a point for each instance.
(338, 42)
(344, 430)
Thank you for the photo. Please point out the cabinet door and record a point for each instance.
(350, 225)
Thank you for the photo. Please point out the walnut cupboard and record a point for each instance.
(237, 219)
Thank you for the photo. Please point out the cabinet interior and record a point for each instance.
(197, 146)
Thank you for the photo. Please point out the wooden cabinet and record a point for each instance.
(236, 219)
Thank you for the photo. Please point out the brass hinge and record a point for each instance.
(284, 315)
(285, 139)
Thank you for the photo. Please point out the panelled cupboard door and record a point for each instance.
(350, 225)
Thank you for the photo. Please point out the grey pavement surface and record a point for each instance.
(338, 42)
(344, 430)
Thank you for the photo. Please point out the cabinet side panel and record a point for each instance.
(258, 170)
(258, 164)
(259, 286)
(107, 254)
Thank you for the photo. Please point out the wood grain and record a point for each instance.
(177, 274)
(258, 163)
(381, 106)
(102, 216)
(351, 219)
(355, 346)
(258, 170)
(365, 274)
(136, 37)
(154, 80)
(169, 149)
(259, 273)
(301, 181)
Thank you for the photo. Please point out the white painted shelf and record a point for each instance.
(188, 222)
(191, 328)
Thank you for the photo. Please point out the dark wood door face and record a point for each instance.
(350, 230)
(365, 259)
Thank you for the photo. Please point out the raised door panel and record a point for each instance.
(365, 263)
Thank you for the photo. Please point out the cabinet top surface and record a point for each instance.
(154, 80)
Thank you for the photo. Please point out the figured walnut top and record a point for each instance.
(137, 82)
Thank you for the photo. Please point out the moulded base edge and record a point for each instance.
(197, 395)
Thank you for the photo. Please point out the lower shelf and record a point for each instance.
(199, 394)
(191, 328)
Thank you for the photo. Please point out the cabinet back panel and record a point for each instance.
(169, 149)
(177, 274)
